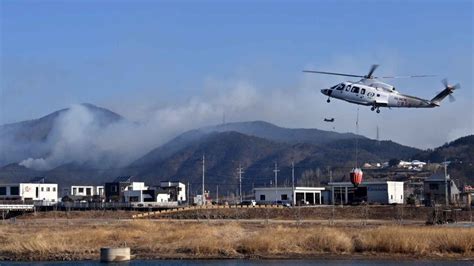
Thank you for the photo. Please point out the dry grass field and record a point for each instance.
(148, 239)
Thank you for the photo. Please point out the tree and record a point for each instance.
(393, 162)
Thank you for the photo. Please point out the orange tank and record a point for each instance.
(356, 176)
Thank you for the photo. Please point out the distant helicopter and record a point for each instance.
(328, 119)
(372, 92)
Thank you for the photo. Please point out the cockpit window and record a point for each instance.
(362, 91)
(355, 89)
(340, 87)
(348, 88)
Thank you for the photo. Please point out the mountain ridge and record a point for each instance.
(255, 145)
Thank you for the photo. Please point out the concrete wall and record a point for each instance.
(395, 193)
(272, 194)
(46, 192)
(378, 193)
(162, 197)
(133, 196)
(310, 195)
(181, 192)
(388, 192)
(82, 190)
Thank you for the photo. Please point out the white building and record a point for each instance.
(168, 193)
(40, 193)
(175, 189)
(135, 192)
(300, 196)
(415, 165)
(87, 191)
(382, 192)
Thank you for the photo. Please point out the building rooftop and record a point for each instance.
(296, 188)
(363, 183)
(437, 177)
(127, 179)
(38, 179)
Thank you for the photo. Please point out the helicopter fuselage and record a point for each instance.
(374, 93)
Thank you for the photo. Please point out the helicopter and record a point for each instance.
(370, 91)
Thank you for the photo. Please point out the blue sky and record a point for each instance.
(125, 55)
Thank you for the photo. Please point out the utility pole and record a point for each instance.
(293, 182)
(188, 188)
(217, 195)
(446, 182)
(276, 180)
(329, 173)
(203, 201)
(240, 172)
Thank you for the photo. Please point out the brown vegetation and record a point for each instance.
(149, 239)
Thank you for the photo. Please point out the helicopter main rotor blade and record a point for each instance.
(410, 76)
(333, 73)
(371, 71)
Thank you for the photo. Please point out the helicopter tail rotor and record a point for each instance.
(448, 91)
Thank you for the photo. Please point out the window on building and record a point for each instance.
(362, 91)
(14, 191)
(81, 190)
(88, 191)
(54, 189)
(391, 196)
(284, 197)
(48, 189)
(42, 189)
(262, 197)
(3, 191)
(355, 89)
(74, 191)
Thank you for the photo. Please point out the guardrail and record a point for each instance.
(17, 207)
(205, 207)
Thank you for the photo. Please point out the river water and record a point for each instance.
(251, 263)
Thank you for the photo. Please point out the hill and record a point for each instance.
(226, 150)
(255, 145)
(460, 154)
(258, 129)
(35, 138)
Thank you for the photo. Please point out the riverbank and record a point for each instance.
(201, 240)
